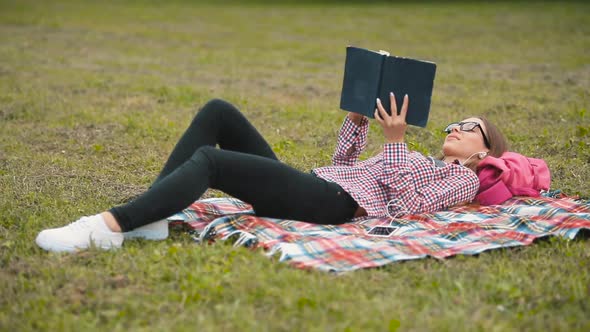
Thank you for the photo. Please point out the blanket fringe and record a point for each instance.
(277, 248)
(243, 239)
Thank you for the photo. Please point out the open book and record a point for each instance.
(369, 74)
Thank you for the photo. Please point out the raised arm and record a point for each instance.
(352, 139)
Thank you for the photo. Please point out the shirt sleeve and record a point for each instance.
(352, 139)
(459, 185)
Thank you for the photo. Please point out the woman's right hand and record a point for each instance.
(356, 118)
(394, 125)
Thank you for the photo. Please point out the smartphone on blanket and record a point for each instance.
(382, 231)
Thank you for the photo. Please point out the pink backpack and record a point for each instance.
(512, 174)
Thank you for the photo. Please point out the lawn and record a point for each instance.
(93, 96)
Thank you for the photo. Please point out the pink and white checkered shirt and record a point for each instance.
(412, 180)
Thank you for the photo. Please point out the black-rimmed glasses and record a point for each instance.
(468, 126)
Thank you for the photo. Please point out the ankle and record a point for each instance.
(111, 222)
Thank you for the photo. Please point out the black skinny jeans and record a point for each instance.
(244, 167)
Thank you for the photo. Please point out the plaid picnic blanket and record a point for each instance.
(466, 230)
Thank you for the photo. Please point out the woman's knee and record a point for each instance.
(210, 115)
(209, 158)
(217, 106)
(206, 152)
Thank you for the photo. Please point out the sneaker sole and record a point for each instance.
(51, 245)
(155, 231)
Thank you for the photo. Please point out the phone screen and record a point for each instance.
(384, 231)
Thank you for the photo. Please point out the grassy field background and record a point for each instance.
(93, 97)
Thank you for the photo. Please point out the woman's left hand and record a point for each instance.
(394, 125)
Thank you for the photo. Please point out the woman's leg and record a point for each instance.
(218, 122)
(273, 188)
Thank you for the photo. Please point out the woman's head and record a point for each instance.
(473, 139)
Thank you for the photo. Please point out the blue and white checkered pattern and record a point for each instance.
(466, 230)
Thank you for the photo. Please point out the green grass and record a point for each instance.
(94, 96)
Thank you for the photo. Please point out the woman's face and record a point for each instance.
(463, 144)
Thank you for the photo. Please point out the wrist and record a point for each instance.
(357, 119)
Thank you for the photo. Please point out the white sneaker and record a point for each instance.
(155, 231)
(81, 234)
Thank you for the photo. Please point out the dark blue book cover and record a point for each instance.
(369, 74)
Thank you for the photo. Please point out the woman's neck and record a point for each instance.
(453, 159)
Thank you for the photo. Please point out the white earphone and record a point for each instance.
(480, 155)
